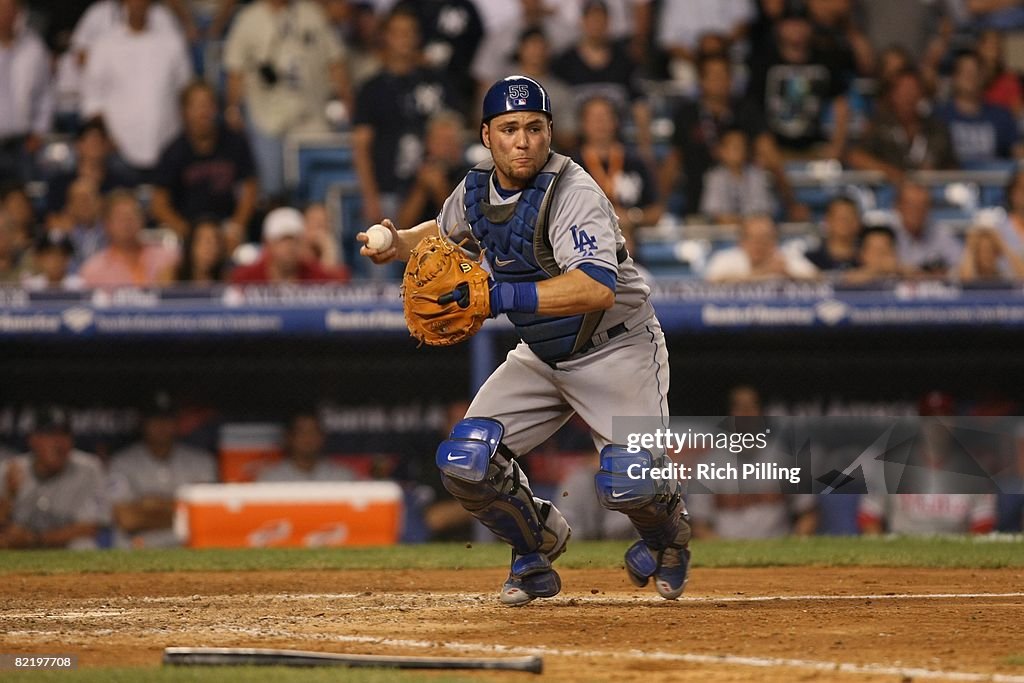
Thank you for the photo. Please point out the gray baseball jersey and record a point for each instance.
(136, 473)
(75, 495)
(323, 470)
(931, 513)
(627, 374)
(583, 229)
(751, 508)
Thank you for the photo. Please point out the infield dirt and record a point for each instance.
(733, 625)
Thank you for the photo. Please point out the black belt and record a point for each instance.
(615, 330)
(611, 333)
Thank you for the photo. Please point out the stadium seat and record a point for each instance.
(320, 179)
(209, 59)
(992, 192)
(345, 211)
(307, 157)
(683, 258)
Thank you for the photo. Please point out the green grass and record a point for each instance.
(949, 552)
(1015, 660)
(241, 674)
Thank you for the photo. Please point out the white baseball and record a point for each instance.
(378, 237)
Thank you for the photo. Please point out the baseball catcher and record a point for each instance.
(590, 343)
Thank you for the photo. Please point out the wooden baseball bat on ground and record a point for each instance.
(241, 656)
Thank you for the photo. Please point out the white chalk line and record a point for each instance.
(486, 598)
(694, 658)
(873, 596)
(276, 596)
(631, 654)
(604, 600)
(476, 597)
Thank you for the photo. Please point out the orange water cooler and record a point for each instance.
(289, 514)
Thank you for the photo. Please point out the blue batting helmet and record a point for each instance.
(515, 93)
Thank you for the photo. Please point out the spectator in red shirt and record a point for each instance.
(282, 258)
(1002, 87)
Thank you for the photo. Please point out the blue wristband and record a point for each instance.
(513, 297)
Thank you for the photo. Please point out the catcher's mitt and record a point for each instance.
(446, 294)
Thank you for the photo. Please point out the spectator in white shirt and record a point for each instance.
(133, 78)
(682, 24)
(629, 21)
(735, 187)
(930, 248)
(26, 99)
(304, 457)
(496, 57)
(758, 257)
(105, 15)
(99, 18)
(284, 64)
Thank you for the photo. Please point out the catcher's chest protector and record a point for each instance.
(515, 241)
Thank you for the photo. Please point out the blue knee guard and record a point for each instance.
(467, 453)
(653, 505)
(616, 489)
(482, 475)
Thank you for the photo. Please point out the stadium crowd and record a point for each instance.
(704, 112)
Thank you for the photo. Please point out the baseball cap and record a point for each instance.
(515, 93)
(54, 239)
(281, 223)
(51, 419)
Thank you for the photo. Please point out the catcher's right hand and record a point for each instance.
(384, 255)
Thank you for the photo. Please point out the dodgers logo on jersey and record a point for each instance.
(584, 244)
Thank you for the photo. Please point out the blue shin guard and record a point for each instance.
(655, 508)
(481, 473)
